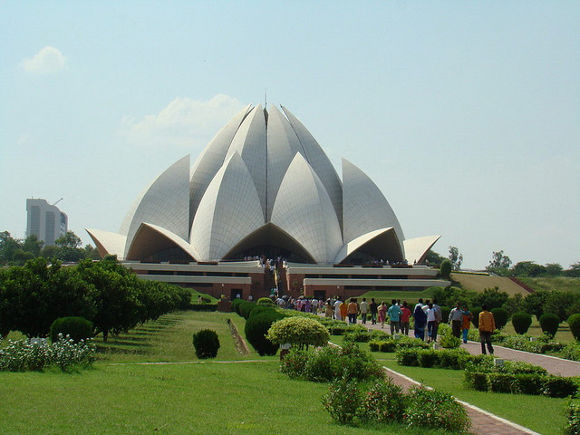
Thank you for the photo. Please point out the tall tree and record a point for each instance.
(455, 257)
(499, 263)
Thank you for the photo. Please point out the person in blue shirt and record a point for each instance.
(394, 314)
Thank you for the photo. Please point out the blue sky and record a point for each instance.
(465, 114)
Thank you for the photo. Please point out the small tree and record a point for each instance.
(574, 323)
(445, 269)
(499, 263)
(206, 343)
(549, 323)
(299, 331)
(500, 316)
(521, 322)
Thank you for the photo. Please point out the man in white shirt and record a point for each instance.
(364, 308)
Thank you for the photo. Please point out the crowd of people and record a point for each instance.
(426, 314)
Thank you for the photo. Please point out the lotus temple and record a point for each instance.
(263, 208)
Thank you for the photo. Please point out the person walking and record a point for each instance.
(382, 314)
(405, 316)
(420, 321)
(374, 311)
(364, 308)
(337, 310)
(431, 323)
(466, 322)
(352, 311)
(486, 328)
(343, 310)
(394, 316)
(456, 320)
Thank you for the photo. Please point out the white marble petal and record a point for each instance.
(365, 209)
(165, 202)
(417, 248)
(304, 210)
(228, 212)
(382, 243)
(211, 159)
(250, 143)
(318, 160)
(108, 243)
(150, 238)
(282, 147)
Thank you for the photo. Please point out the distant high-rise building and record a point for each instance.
(45, 221)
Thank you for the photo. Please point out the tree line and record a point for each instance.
(111, 296)
(15, 252)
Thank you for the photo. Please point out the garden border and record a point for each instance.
(468, 405)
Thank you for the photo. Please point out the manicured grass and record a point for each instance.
(560, 283)
(123, 395)
(170, 338)
(541, 414)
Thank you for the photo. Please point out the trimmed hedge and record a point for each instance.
(455, 359)
(78, 328)
(574, 323)
(549, 323)
(206, 343)
(266, 301)
(257, 327)
(203, 307)
(521, 322)
(518, 378)
(500, 316)
(394, 344)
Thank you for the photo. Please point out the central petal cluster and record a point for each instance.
(262, 181)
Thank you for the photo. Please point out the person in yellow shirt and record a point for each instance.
(486, 328)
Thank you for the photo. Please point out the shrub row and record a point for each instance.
(384, 402)
(393, 344)
(446, 358)
(521, 383)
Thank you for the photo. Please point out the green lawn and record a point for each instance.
(123, 395)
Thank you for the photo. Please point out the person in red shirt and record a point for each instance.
(405, 315)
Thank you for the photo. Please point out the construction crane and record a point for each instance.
(58, 201)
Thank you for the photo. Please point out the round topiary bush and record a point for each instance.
(500, 316)
(549, 323)
(206, 343)
(78, 328)
(256, 329)
(245, 308)
(300, 331)
(266, 301)
(445, 269)
(521, 322)
(574, 323)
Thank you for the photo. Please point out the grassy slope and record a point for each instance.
(560, 283)
(481, 282)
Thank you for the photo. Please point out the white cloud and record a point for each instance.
(47, 61)
(183, 122)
